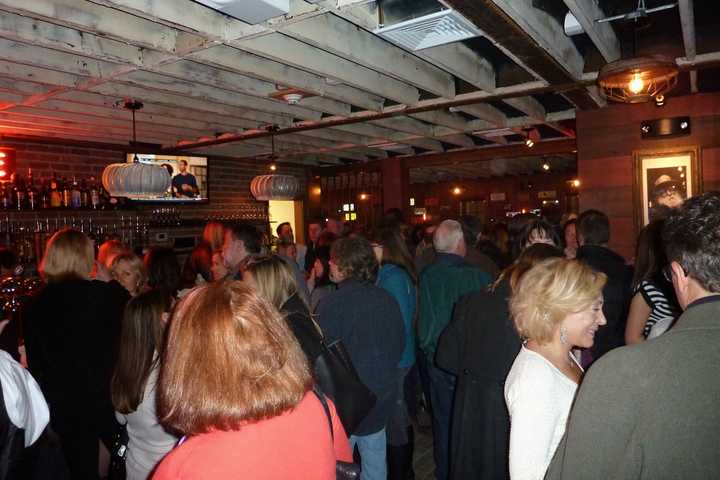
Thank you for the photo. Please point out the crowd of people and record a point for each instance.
(537, 351)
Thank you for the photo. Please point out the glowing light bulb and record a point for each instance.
(363, 196)
(576, 183)
(637, 84)
(546, 166)
(456, 191)
(273, 167)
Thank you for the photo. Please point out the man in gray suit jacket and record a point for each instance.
(652, 411)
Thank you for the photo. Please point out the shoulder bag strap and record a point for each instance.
(325, 406)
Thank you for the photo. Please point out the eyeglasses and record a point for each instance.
(668, 273)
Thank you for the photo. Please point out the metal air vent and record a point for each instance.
(438, 28)
(250, 11)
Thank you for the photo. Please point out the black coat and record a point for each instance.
(71, 330)
(617, 294)
(479, 346)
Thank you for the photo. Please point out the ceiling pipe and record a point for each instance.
(395, 111)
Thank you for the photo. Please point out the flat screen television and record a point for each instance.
(189, 177)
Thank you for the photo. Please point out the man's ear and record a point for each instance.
(678, 271)
(680, 281)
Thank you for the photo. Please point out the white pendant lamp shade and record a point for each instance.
(275, 187)
(135, 180)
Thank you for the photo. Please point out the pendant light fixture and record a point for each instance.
(135, 180)
(638, 79)
(274, 186)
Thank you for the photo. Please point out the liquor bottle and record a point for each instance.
(84, 194)
(94, 194)
(6, 192)
(44, 195)
(31, 193)
(19, 192)
(55, 192)
(66, 193)
(75, 194)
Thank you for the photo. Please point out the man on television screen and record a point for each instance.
(184, 183)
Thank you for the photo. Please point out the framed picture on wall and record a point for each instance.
(663, 180)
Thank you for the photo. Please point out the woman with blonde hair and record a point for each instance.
(129, 271)
(274, 280)
(556, 306)
(242, 394)
(479, 346)
(71, 328)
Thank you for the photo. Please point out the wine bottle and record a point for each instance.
(31, 193)
(84, 194)
(7, 196)
(19, 192)
(66, 193)
(94, 194)
(44, 194)
(75, 194)
(55, 192)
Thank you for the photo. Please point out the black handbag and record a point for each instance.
(337, 378)
(118, 453)
(343, 470)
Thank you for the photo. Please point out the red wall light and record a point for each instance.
(7, 162)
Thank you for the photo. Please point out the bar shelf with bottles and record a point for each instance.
(29, 194)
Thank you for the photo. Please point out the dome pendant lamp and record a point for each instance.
(275, 186)
(135, 180)
(639, 79)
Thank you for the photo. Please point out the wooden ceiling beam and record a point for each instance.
(186, 15)
(48, 35)
(602, 34)
(687, 22)
(178, 100)
(455, 58)
(235, 60)
(154, 81)
(532, 38)
(336, 35)
(98, 20)
(544, 147)
(113, 103)
(287, 50)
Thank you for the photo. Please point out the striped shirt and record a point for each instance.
(663, 307)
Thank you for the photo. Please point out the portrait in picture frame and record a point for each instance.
(663, 180)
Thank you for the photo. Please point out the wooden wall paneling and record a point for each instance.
(607, 138)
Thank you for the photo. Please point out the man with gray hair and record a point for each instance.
(442, 284)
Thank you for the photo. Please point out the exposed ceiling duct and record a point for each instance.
(250, 11)
(420, 24)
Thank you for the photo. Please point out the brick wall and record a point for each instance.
(229, 178)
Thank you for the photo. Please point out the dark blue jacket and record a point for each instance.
(368, 321)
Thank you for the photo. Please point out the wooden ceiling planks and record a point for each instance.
(206, 76)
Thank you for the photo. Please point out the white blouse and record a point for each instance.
(148, 441)
(538, 397)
